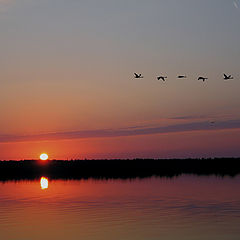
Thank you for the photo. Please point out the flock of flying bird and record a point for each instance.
(226, 77)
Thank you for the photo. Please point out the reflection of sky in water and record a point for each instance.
(180, 208)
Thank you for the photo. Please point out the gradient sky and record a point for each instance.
(67, 87)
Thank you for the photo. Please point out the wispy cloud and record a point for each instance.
(129, 131)
(236, 4)
(188, 117)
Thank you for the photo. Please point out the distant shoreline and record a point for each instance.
(117, 169)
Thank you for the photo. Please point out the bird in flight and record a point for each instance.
(226, 77)
(161, 78)
(202, 79)
(182, 76)
(138, 75)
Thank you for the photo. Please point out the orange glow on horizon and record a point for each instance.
(44, 157)
(184, 144)
(44, 183)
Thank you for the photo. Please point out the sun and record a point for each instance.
(44, 183)
(43, 157)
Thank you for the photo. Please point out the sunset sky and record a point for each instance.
(67, 86)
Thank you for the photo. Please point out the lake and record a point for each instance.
(186, 207)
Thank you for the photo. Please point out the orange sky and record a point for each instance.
(183, 144)
(67, 83)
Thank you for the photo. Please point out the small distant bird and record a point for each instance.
(182, 76)
(226, 77)
(202, 79)
(212, 122)
(161, 78)
(138, 75)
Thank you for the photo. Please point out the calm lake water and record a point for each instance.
(187, 207)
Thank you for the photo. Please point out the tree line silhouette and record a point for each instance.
(116, 169)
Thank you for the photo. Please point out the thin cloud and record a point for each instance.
(188, 117)
(235, 3)
(129, 131)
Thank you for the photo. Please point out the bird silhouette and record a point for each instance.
(202, 79)
(161, 78)
(226, 77)
(138, 75)
(182, 76)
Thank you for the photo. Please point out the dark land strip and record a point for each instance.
(117, 169)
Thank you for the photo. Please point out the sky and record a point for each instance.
(68, 89)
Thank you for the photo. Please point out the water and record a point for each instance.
(187, 207)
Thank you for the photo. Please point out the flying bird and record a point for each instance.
(161, 78)
(138, 75)
(202, 79)
(226, 77)
(182, 76)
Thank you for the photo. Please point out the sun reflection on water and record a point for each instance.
(44, 183)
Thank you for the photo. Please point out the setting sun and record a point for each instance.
(44, 156)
